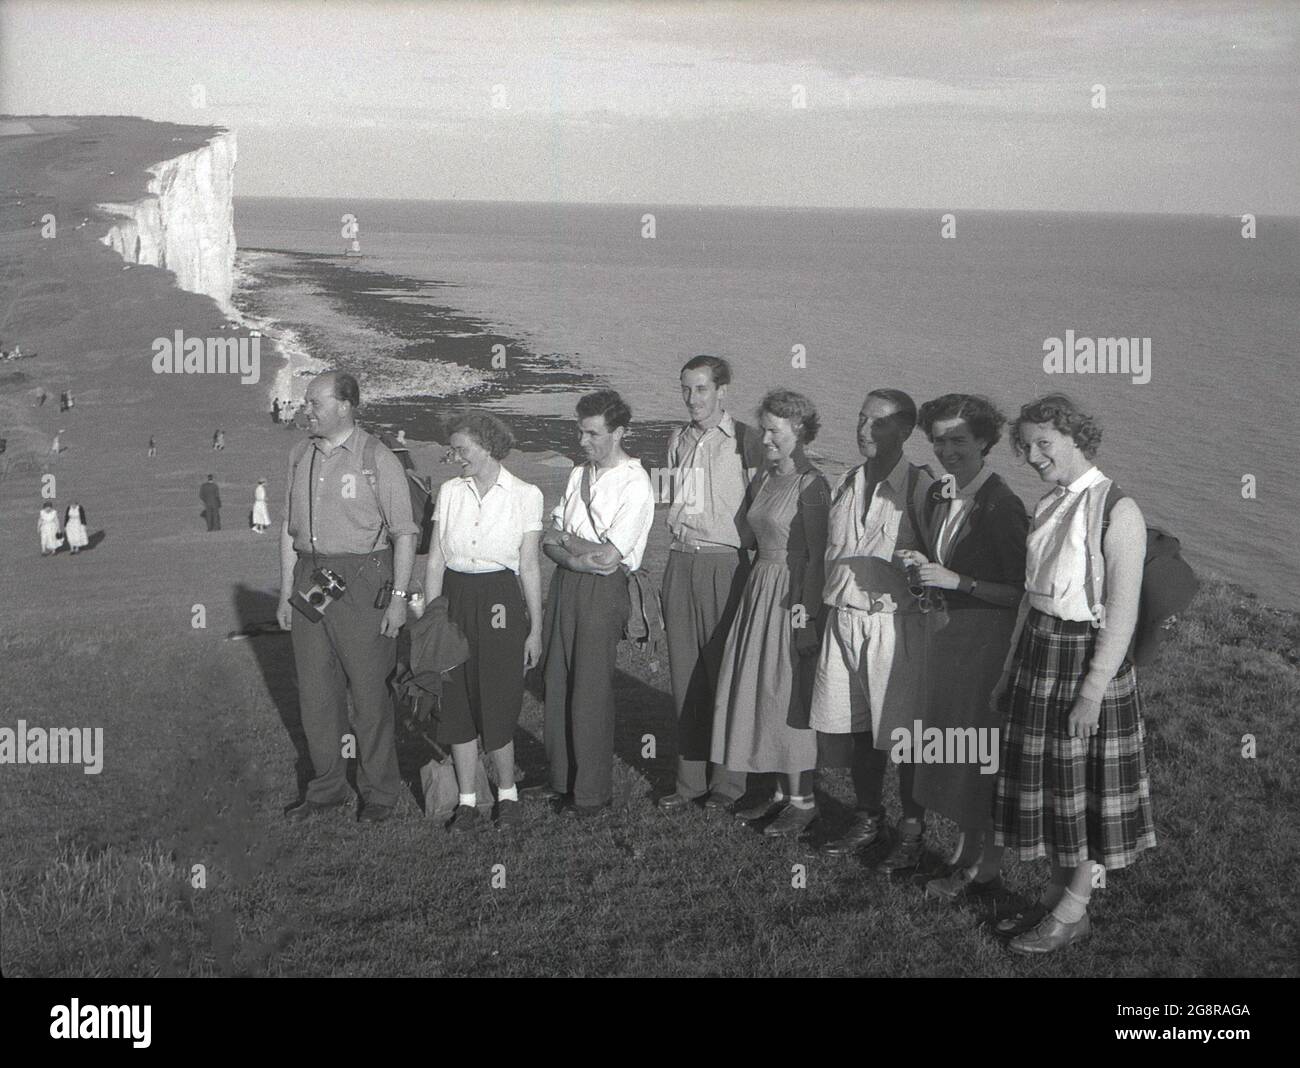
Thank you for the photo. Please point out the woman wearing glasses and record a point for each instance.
(976, 556)
(488, 527)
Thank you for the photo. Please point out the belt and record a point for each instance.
(305, 554)
(688, 547)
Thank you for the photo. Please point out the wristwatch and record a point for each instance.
(400, 593)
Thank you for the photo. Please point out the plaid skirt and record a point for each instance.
(1068, 799)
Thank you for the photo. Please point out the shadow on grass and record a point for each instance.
(274, 655)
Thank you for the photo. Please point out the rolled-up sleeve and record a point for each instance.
(394, 497)
(532, 509)
(636, 512)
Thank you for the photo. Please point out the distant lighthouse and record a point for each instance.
(351, 235)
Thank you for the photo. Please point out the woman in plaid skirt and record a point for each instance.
(1072, 780)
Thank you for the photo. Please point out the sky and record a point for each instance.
(906, 105)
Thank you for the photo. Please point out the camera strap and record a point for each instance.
(311, 510)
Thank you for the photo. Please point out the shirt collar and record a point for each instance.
(1089, 478)
(977, 483)
(897, 477)
(350, 442)
(726, 424)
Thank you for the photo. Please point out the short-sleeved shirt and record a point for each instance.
(482, 534)
(622, 505)
(710, 475)
(863, 537)
(346, 515)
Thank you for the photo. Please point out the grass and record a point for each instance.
(98, 872)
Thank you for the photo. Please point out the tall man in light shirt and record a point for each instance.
(711, 460)
(868, 668)
(598, 534)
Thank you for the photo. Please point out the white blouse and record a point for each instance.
(1056, 560)
(482, 534)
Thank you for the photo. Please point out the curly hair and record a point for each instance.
(607, 403)
(489, 431)
(1065, 416)
(980, 414)
(787, 404)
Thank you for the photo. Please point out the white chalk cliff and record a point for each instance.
(186, 224)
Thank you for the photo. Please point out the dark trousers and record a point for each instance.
(701, 592)
(587, 614)
(213, 516)
(343, 654)
(867, 766)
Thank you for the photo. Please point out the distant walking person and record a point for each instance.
(56, 445)
(347, 501)
(764, 688)
(210, 495)
(74, 527)
(47, 527)
(261, 516)
(711, 460)
(219, 440)
(153, 447)
(598, 534)
(275, 410)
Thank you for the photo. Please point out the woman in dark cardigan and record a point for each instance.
(976, 545)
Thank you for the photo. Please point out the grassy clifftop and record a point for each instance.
(98, 872)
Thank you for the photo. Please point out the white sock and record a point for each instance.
(803, 801)
(507, 793)
(1071, 907)
(469, 799)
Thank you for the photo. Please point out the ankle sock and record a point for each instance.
(507, 793)
(802, 801)
(1071, 907)
(778, 794)
(469, 800)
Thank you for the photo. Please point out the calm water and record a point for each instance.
(879, 299)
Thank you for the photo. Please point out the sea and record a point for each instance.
(522, 307)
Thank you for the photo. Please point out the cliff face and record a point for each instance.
(187, 222)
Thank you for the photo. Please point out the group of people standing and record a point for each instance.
(807, 624)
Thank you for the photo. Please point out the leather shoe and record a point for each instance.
(717, 806)
(959, 884)
(375, 813)
(757, 810)
(863, 830)
(674, 803)
(302, 810)
(509, 814)
(1050, 935)
(586, 812)
(791, 822)
(907, 853)
(1018, 923)
(465, 818)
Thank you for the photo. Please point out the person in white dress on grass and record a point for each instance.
(261, 516)
(74, 527)
(47, 526)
